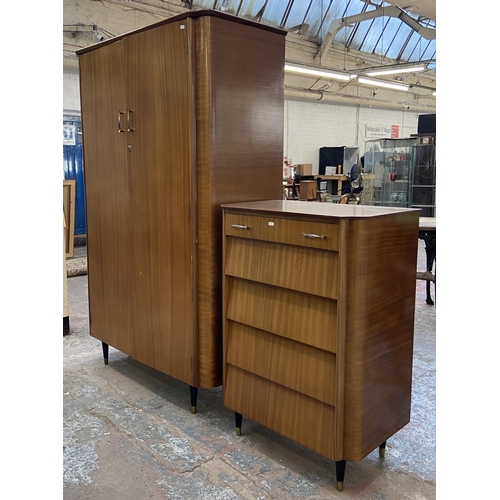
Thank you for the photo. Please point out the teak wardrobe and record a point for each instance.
(178, 118)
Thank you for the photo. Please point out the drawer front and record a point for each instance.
(293, 415)
(295, 268)
(276, 230)
(304, 369)
(305, 318)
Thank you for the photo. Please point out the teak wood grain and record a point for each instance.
(294, 415)
(368, 382)
(284, 312)
(108, 203)
(305, 369)
(380, 325)
(169, 134)
(278, 230)
(285, 266)
(239, 71)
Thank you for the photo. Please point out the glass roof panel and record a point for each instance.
(400, 37)
(430, 51)
(373, 36)
(250, 8)
(228, 6)
(317, 16)
(297, 13)
(204, 4)
(274, 12)
(388, 37)
(419, 49)
(398, 41)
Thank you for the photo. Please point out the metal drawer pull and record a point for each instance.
(311, 235)
(238, 226)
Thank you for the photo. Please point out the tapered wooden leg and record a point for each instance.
(105, 352)
(238, 417)
(340, 470)
(381, 450)
(193, 392)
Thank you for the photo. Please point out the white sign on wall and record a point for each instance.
(375, 132)
(69, 135)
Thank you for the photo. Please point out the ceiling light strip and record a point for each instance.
(382, 83)
(396, 71)
(316, 72)
(313, 71)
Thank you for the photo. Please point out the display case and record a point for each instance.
(423, 181)
(390, 163)
(343, 156)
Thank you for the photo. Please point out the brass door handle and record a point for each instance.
(130, 128)
(120, 113)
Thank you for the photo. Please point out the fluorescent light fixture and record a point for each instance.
(307, 70)
(394, 71)
(382, 83)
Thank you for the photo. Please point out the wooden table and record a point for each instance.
(336, 177)
(427, 232)
(341, 178)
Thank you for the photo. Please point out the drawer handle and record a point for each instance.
(238, 226)
(311, 235)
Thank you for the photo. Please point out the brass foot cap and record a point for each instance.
(238, 431)
(193, 409)
(381, 452)
(340, 485)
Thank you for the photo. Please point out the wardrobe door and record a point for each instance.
(108, 186)
(160, 114)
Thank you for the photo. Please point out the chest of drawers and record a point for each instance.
(318, 320)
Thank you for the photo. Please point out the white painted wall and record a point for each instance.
(71, 93)
(310, 126)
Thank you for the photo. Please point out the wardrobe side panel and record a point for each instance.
(240, 109)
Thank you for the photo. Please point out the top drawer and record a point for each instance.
(274, 229)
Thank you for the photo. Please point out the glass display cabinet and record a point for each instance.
(423, 182)
(390, 163)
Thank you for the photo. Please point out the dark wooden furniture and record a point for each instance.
(178, 117)
(319, 304)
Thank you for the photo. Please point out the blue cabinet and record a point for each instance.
(73, 166)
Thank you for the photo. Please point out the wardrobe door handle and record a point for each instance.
(129, 116)
(120, 113)
(311, 235)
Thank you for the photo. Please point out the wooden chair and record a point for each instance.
(344, 199)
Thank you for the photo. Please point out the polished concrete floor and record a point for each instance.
(129, 432)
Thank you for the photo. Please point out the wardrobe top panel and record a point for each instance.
(186, 15)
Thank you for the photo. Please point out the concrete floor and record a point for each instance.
(129, 432)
